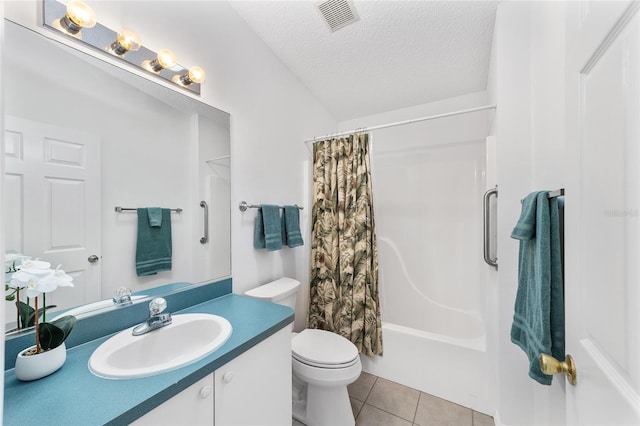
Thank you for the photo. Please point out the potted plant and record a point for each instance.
(49, 353)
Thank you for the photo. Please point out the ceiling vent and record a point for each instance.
(338, 13)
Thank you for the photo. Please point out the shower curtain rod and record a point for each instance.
(401, 123)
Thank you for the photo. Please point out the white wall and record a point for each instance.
(271, 115)
(528, 85)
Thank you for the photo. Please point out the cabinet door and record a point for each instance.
(255, 387)
(192, 406)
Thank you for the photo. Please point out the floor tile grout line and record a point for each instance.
(420, 394)
(366, 397)
(400, 384)
(371, 388)
(385, 411)
(415, 413)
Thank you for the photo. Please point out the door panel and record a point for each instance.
(603, 212)
(52, 208)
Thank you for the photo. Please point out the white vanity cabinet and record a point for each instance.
(255, 387)
(192, 406)
(252, 389)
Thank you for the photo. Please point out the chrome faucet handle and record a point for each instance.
(156, 318)
(123, 296)
(157, 305)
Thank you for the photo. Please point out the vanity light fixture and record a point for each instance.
(194, 75)
(77, 17)
(164, 59)
(127, 40)
(78, 21)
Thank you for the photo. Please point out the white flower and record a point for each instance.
(38, 277)
(16, 284)
(34, 266)
(57, 278)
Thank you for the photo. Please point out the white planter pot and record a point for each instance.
(34, 367)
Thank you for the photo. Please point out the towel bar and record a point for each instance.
(244, 206)
(556, 193)
(552, 194)
(119, 209)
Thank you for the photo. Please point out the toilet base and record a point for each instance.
(316, 405)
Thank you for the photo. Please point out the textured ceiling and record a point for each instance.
(399, 54)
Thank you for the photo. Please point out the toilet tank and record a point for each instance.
(282, 291)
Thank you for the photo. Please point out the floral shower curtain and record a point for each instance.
(344, 256)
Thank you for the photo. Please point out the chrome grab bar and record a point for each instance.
(487, 228)
(205, 239)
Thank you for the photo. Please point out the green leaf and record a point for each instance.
(52, 334)
(26, 315)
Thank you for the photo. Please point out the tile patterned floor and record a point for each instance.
(379, 402)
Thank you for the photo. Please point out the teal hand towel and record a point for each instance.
(268, 230)
(153, 248)
(538, 320)
(155, 216)
(291, 234)
(258, 231)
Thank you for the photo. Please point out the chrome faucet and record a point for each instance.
(156, 320)
(122, 297)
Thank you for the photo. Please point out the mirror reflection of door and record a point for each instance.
(52, 204)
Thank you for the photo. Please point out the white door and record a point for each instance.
(52, 203)
(602, 213)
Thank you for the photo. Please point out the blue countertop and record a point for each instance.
(74, 396)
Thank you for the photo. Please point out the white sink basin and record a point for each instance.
(188, 338)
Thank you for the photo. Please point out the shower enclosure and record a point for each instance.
(428, 184)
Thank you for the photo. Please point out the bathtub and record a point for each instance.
(454, 369)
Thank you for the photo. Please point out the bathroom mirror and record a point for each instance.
(83, 137)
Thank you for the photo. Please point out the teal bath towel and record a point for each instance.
(291, 234)
(268, 231)
(153, 249)
(538, 320)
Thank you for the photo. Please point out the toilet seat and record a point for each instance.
(323, 349)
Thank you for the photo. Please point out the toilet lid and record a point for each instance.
(323, 348)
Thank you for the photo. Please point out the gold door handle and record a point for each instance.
(549, 365)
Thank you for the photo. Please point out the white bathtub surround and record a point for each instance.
(428, 180)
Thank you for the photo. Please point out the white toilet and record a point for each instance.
(323, 364)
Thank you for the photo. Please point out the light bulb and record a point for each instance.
(194, 75)
(127, 40)
(78, 16)
(164, 59)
